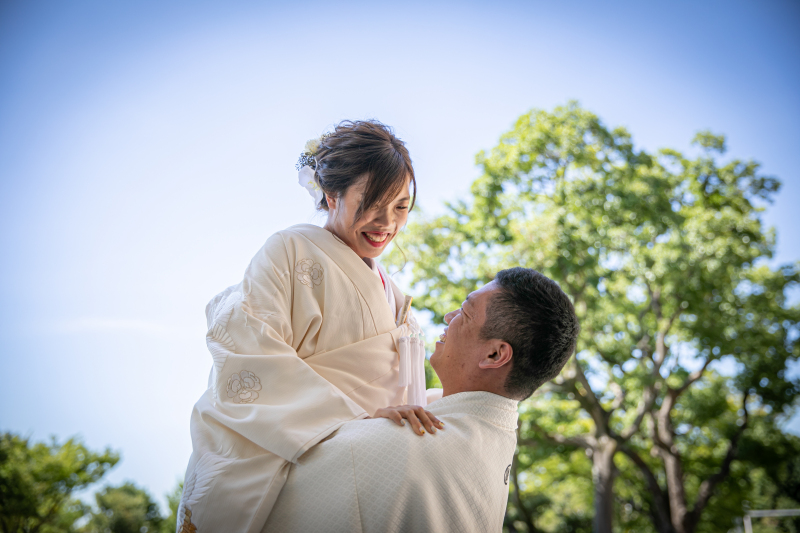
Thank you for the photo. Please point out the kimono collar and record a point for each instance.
(362, 276)
(495, 409)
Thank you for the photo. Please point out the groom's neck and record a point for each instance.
(455, 388)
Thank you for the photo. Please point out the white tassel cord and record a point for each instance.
(405, 363)
(416, 389)
(421, 368)
(412, 364)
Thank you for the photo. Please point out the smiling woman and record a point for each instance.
(365, 173)
(310, 338)
(368, 234)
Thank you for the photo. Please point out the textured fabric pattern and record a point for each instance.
(396, 481)
(324, 498)
(198, 482)
(219, 343)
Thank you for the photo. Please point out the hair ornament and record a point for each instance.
(307, 178)
(307, 167)
(312, 146)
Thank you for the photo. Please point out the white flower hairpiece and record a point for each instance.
(307, 178)
(306, 166)
(312, 146)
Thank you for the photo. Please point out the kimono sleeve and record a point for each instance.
(262, 389)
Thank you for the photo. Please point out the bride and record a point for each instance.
(315, 335)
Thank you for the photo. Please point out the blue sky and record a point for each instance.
(147, 150)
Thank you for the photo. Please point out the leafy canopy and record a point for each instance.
(37, 482)
(666, 258)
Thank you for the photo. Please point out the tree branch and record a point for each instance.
(644, 407)
(653, 427)
(619, 395)
(655, 301)
(518, 500)
(663, 424)
(707, 487)
(589, 401)
(660, 353)
(578, 441)
(660, 501)
(661, 335)
(675, 315)
(661, 341)
(694, 376)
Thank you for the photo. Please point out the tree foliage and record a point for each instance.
(124, 509)
(38, 481)
(170, 524)
(686, 335)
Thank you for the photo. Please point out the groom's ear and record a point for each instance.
(500, 355)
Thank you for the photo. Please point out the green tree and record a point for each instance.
(170, 524)
(124, 509)
(665, 258)
(37, 482)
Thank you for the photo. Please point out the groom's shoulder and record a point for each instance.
(371, 429)
(383, 437)
(378, 436)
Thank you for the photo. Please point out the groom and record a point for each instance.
(507, 339)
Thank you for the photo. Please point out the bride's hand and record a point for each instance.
(416, 415)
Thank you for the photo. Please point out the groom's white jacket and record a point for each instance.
(375, 476)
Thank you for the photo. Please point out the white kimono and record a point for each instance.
(373, 476)
(306, 342)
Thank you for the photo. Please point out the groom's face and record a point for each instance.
(461, 345)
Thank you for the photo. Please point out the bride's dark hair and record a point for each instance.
(364, 147)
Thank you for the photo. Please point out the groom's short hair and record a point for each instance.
(538, 320)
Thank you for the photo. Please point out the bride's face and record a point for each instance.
(369, 235)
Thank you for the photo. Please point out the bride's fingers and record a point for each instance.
(415, 423)
(439, 423)
(392, 415)
(422, 414)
